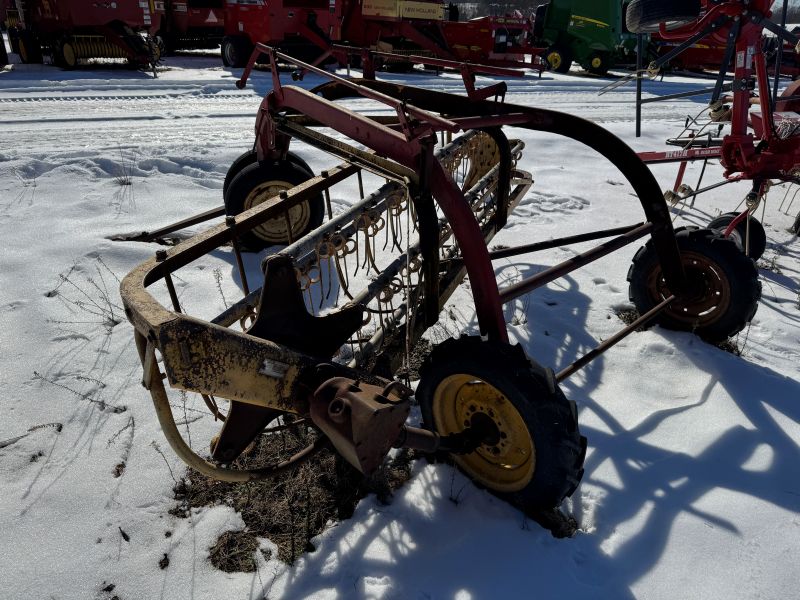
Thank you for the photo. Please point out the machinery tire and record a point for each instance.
(599, 63)
(250, 157)
(725, 286)
(167, 43)
(13, 39)
(65, 55)
(3, 53)
(796, 226)
(258, 182)
(643, 16)
(758, 237)
(235, 51)
(30, 51)
(537, 460)
(559, 58)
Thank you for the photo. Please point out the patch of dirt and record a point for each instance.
(416, 357)
(289, 509)
(627, 315)
(730, 345)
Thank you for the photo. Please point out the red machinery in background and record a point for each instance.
(308, 30)
(191, 24)
(763, 145)
(709, 54)
(71, 30)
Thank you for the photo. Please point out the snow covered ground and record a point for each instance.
(691, 487)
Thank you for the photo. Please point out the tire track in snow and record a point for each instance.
(128, 97)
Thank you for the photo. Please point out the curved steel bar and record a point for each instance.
(167, 422)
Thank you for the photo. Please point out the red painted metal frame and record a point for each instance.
(274, 22)
(743, 156)
(412, 145)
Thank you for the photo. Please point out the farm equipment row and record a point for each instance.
(323, 343)
(70, 30)
(142, 30)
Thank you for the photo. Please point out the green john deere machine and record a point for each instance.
(589, 32)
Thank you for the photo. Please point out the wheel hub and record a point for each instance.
(554, 58)
(277, 230)
(506, 459)
(707, 294)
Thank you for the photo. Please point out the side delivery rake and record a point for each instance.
(342, 304)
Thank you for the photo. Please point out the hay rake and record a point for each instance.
(352, 291)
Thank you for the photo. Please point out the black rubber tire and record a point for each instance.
(3, 53)
(30, 51)
(758, 237)
(250, 157)
(235, 51)
(551, 420)
(13, 39)
(561, 64)
(257, 174)
(65, 55)
(796, 226)
(167, 43)
(732, 270)
(599, 63)
(644, 16)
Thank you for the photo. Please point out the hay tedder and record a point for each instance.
(763, 145)
(350, 292)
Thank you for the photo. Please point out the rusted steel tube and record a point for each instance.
(613, 340)
(176, 305)
(531, 283)
(573, 239)
(418, 439)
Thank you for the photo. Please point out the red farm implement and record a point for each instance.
(341, 305)
(709, 54)
(763, 142)
(191, 24)
(72, 30)
(312, 31)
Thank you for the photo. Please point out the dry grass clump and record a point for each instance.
(289, 509)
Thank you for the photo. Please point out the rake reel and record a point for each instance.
(343, 303)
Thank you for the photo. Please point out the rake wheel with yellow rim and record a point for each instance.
(250, 157)
(259, 182)
(532, 455)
